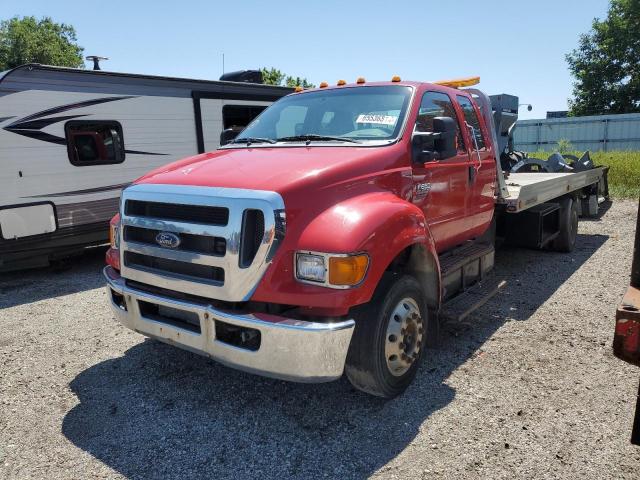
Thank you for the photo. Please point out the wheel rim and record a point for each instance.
(404, 337)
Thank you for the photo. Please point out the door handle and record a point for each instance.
(472, 173)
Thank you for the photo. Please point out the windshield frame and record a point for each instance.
(361, 142)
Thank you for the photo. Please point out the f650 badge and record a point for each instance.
(168, 240)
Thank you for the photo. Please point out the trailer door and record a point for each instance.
(213, 115)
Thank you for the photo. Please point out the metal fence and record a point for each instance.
(595, 133)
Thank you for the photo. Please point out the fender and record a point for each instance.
(377, 223)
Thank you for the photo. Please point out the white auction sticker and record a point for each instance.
(379, 119)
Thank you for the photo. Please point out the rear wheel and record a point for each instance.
(566, 240)
(389, 338)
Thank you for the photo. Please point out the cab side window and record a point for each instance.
(437, 104)
(472, 120)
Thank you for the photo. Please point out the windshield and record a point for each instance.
(355, 115)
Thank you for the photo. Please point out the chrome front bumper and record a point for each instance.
(289, 349)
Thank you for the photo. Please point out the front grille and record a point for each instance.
(179, 212)
(191, 243)
(252, 235)
(223, 239)
(185, 269)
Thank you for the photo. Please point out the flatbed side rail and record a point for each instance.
(530, 189)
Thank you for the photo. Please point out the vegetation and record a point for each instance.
(624, 173)
(564, 145)
(605, 64)
(624, 170)
(273, 76)
(29, 40)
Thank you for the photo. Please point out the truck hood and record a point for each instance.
(279, 169)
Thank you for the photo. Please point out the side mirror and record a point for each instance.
(228, 135)
(446, 143)
(437, 145)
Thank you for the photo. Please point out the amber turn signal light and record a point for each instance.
(348, 270)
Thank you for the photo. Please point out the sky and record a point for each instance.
(516, 47)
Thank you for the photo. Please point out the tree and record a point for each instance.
(28, 40)
(298, 82)
(273, 76)
(606, 65)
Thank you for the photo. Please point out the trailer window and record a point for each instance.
(471, 118)
(239, 116)
(94, 142)
(437, 104)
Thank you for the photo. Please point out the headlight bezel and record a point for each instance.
(326, 258)
(114, 235)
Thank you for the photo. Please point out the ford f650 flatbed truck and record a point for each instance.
(328, 236)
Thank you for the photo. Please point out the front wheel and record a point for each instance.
(389, 337)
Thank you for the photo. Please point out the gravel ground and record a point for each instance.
(526, 388)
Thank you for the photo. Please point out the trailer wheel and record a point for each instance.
(389, 337)
(566, 240)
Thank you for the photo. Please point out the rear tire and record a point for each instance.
(566, 240)
(389, 337)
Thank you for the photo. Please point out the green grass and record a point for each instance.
(624, 171)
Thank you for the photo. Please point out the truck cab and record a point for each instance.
(322, 239)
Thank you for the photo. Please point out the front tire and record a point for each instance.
(389, 337)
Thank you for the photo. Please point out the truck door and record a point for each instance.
(440, 186)
(482, 174)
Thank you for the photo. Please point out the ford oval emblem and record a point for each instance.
(168, 240)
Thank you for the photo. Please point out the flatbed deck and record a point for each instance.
(527, 190)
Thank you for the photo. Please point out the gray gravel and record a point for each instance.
(526, 388)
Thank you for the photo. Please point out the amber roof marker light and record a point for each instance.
(341, 83)
(396, 78)
(324, 84)
(298, 89)
(360, 80)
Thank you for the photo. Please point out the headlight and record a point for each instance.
(335, 271)
(311, 267)
(114, 234)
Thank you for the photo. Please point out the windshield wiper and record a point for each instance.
(310, 137)
(250, 140)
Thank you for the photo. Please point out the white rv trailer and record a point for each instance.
(71, 139)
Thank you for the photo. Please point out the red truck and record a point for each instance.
(331, 233)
